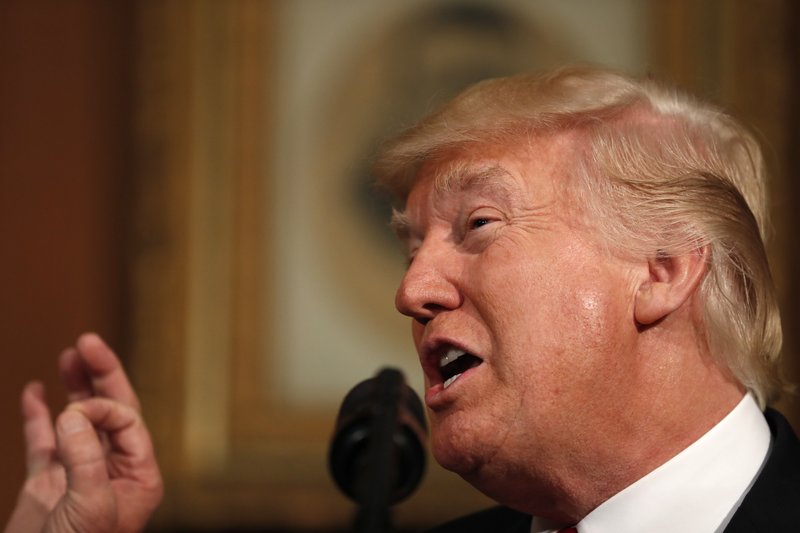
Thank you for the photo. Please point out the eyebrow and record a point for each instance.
(488, 179)
(457, 178)
(460, 177)
(400, 224)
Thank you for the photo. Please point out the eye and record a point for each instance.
(478, 222)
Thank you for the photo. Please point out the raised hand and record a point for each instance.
(95, 470)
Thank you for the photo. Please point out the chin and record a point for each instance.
(452, 460)
(472, 464)
(456, 451)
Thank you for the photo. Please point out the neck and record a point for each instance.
(685, 395)
(681, 394)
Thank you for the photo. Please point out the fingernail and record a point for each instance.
(72, 421)
(89, 337)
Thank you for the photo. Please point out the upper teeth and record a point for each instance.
(451, 355)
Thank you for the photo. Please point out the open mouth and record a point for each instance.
(455, 362)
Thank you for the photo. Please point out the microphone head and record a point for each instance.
(382, 408)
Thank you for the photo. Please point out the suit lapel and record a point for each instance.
(773, 502)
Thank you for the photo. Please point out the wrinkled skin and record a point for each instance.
(94, 470)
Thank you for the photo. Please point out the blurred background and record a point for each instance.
(190, 179)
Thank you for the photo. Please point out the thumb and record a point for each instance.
(88, 504)
(81, 453)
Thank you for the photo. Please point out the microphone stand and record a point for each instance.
(376, 487)
(377, 454)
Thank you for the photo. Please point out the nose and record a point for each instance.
(429, 286)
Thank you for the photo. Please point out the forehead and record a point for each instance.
(520, 175)
(539, 163)
(460, 174)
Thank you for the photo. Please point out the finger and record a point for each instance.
(132, 467)
(104, 371)
(74, 375)
(40, 440)
(81, 454)
(131, 446)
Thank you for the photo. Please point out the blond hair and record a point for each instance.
(659, 172)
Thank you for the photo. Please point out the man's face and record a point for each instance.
(523, 321)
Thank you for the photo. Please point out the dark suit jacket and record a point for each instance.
(772, 504)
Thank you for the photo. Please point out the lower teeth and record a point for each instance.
(451, 380)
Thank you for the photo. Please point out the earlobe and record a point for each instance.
(672, 281)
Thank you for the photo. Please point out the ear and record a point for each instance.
(673, 280)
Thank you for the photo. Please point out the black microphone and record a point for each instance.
(377, 455)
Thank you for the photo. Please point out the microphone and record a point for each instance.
(377, 454)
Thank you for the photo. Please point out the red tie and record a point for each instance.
(568, 530)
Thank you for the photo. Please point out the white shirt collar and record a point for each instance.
(697, 491)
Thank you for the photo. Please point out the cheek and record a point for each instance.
(590, 295)
(595, 341)
(558, 303)
(595, 313)
(561, 325)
